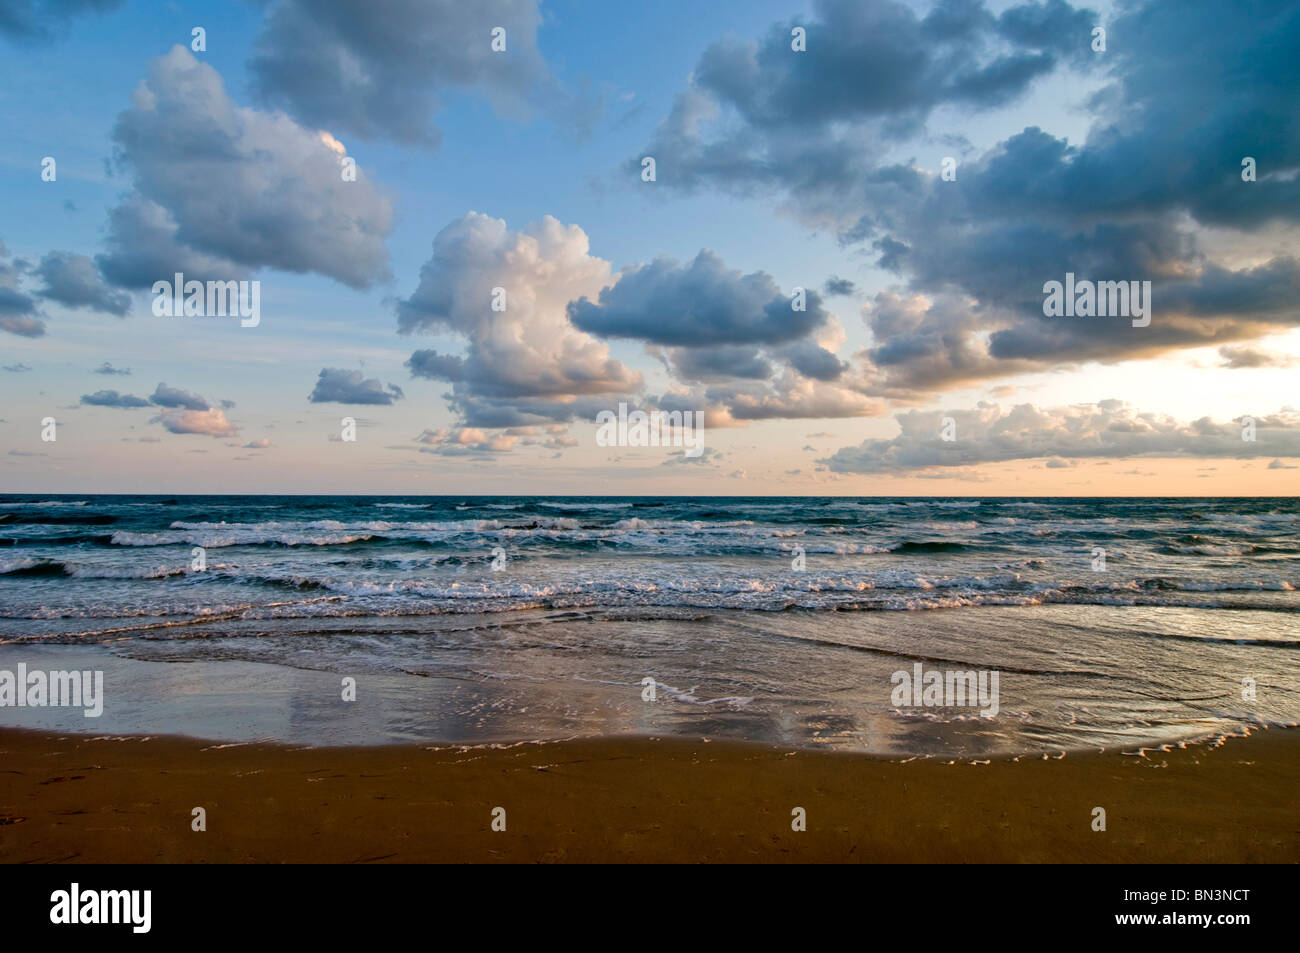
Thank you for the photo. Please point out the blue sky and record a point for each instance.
(771, 183)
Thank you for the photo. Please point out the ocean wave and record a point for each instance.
(578, 507)
(22, 566)
(369, 602)
(81, 539)
(56, 569)
(1210, 549)
(309, 532)
(430, 556)
(26, 519)
(929, 546)
(636, 523)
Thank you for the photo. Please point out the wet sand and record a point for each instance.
(70, 798)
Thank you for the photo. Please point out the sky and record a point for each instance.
(840, 262)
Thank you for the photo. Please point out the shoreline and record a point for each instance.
(793, 680)
(106, 799)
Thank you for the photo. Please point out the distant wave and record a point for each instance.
(930, 546)
(432, 555)
(75, 540)
(54, 569)
(31, 519)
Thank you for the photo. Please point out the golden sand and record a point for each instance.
(74, 798)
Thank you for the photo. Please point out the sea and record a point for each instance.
(1110, 623)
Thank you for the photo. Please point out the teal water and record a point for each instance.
(1111, 622)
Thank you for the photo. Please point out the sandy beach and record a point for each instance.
(66, 798)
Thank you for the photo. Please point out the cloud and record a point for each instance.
(109, 369)
(165, 396)
(19, 313)
(737, 334)
(465, 440)
(220, 190)
(719, 362)
(791, 395)
(261, 443)
(734, 344)
(144, 246)
(208, 423)
(1235, 356)
(340, 386)
(839, 287)
(972, 255)
(436, 367)
(73, 281)
(526, 364)
(812, 360)
(695, 305)
(111, 398)
(708, 457)
(189, 413)
(873, 71)
(1110, 429)
(380, 70)
(34, 22)
(15, 368)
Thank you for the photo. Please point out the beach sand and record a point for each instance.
(69, 798)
